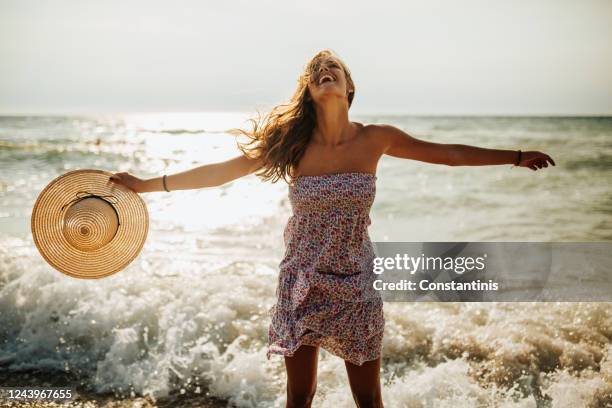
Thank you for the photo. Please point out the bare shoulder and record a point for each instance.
(377, 135)
(377, 128)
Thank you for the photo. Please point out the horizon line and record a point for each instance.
(244, 112)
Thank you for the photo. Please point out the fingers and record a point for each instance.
(545, 159)
(537, 164)
(117, 177)
(540, 161)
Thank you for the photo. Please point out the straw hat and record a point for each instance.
(86, 226)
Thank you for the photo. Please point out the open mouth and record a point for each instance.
(326, 78)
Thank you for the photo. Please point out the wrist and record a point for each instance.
(165, 183)
(153, 185)
(519, 158)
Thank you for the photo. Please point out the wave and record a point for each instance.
(185, 131)
(149, 334)
(599, 161)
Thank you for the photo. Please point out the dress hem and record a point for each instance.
(332, 348)
(288, 353)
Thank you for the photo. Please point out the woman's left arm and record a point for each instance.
(398, 143)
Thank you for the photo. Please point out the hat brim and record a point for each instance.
(47, 222)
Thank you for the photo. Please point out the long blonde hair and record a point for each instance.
(280, 138)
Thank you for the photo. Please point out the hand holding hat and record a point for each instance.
(86, 226)
(132, 182)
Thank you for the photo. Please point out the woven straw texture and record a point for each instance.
(90, 237)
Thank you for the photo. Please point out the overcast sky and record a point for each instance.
(413, 57)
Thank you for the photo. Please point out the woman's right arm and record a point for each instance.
(208, 175)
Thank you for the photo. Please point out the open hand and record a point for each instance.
(535, 160)
(129, 181)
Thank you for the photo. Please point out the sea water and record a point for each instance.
(191, 308)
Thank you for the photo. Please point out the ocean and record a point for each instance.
(189, 314)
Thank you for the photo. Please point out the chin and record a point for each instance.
(330, 91)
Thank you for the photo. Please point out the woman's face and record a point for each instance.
(328, 80)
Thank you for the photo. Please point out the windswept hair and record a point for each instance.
(280, 137)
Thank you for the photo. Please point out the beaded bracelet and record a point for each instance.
(164, 181)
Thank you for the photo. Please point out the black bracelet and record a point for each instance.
(164, 181)
(518, 159)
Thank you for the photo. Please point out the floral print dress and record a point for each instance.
(325, 295)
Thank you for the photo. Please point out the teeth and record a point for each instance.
(326, 76)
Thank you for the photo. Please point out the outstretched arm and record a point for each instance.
(208, 175)
(398, 143)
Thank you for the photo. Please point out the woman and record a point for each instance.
(330, 164)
